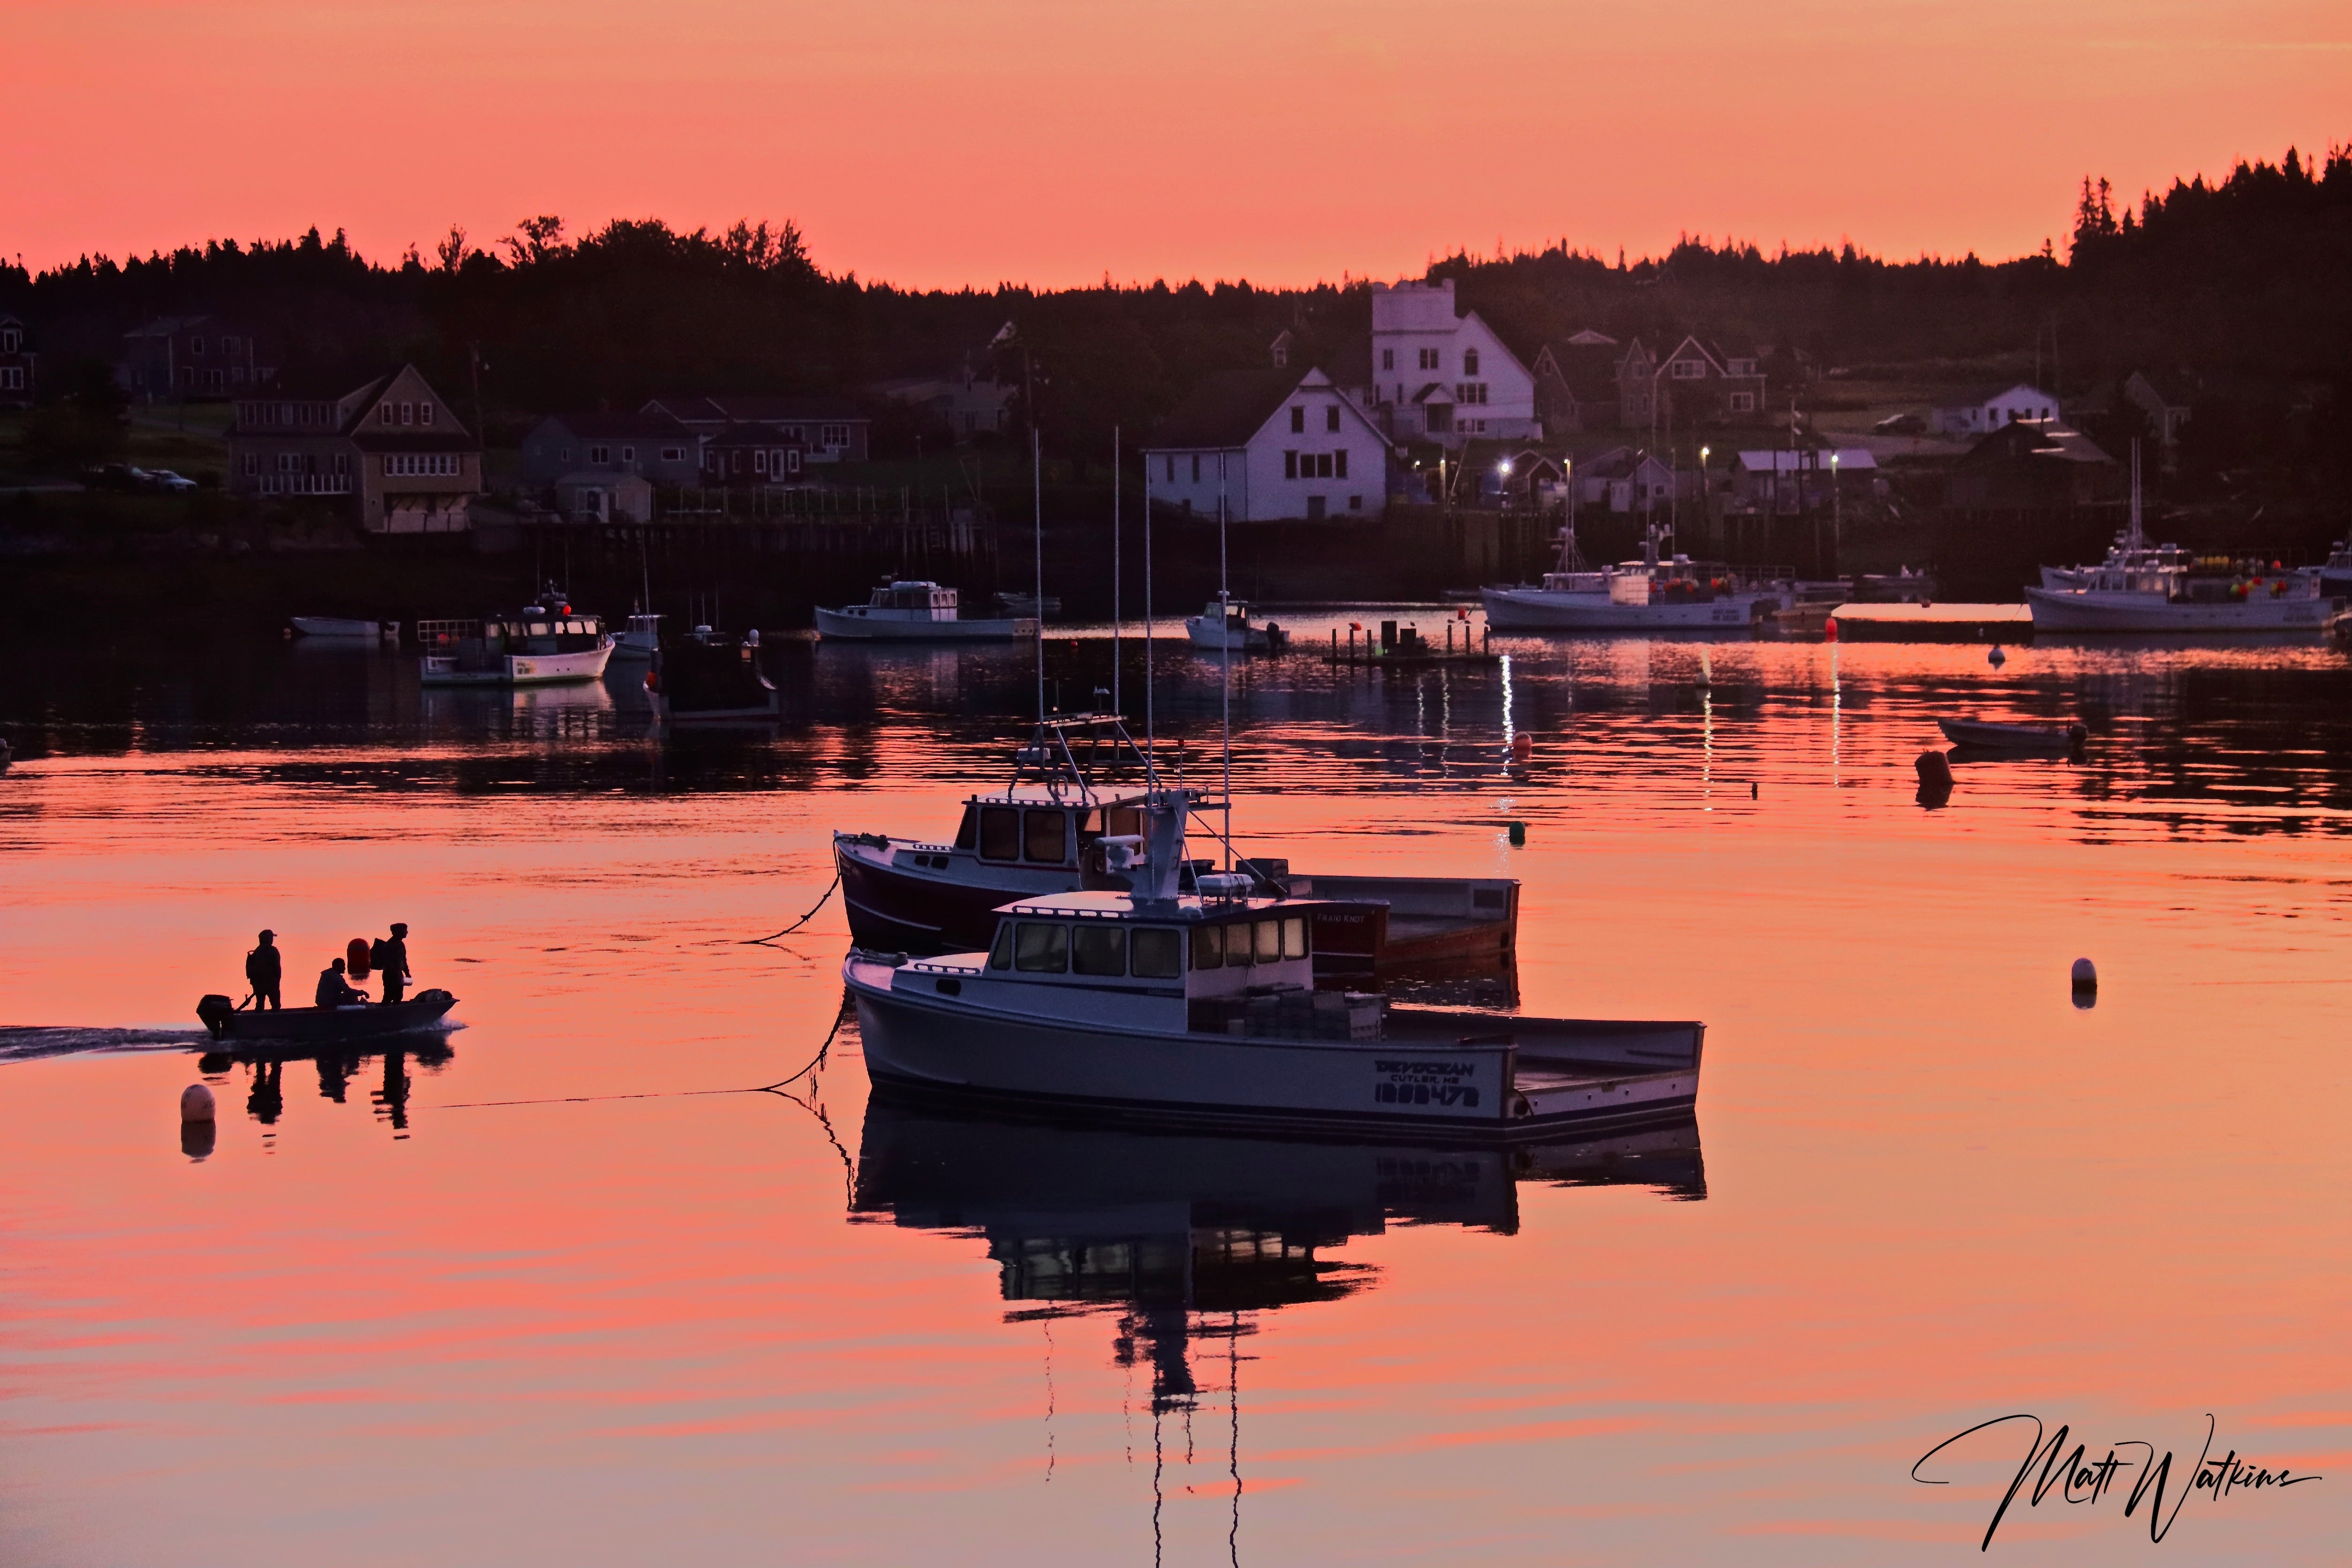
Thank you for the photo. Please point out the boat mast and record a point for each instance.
(1150, 736)
(1038, 607)
(1114, 572)
(2138, 538)
(1225, 654)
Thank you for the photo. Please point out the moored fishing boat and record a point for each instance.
(1993, 735)
(1654, 593)
(1153, 1005)
(709, 677)
(914, 611)
(344, 626)
(639, 636)
(226, 1021)
(1226, 624)
(542, 645)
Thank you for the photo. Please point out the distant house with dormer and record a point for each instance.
(390, 453)
(1698, 382)
(1438, 375)
(965, 403)
(195, 359)
(17, 364)
(754, 455)
(2163, 396)
(1576, 383)
(826, 429)
(1269, 445)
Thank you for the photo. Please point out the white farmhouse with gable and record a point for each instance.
(1979, 411)
(1267, 444)
(1438, 376)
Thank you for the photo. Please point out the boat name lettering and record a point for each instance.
(1427, 1069)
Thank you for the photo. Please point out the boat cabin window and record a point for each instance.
(968, 830)
(1098, 949)
(1208, 946)
(1040, 949)
(1000, 955)
(1159, 953)
(1123, 821)
(1243, 943)
(1045, 837)
(1294, 936)
(1000, 833)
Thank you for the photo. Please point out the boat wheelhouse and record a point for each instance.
(915, 611)
(639, 637)
(1204, 1009)
(541, 645)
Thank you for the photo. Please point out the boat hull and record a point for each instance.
(336, 627)
(329, 1025)
(517, 669)
(1992, 737)
(842, 626)
(2094, 610)
(1548, 610)
(1451, 1077)
(1208, 634)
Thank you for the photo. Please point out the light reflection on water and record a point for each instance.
(553, 1288)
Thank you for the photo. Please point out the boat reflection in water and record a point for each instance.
(265, 1065)
(1184, 1236)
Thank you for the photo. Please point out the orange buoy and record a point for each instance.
(355, 958)
(1523, 746)
(1829, 629)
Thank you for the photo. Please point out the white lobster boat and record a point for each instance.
(1226, 624)
(539, 647)
(1203, 1009)
(1673, 593)
(917, 611)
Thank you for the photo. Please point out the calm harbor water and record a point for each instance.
(564, 1290)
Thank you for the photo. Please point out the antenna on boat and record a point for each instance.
(1150, 732)
(2138, 539)
(1114, 572)
(1038, 607)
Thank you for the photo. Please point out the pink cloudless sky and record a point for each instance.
(1051, 142)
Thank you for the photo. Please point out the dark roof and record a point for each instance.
(752, 435)
(2043, 443)
(732, 408)
(2173, 388)
(1588, 368)
(1227, 408)
(623, 426)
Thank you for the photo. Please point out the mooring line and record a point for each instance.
(756, 941)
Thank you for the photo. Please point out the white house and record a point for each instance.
(1438, 376)
(1979, 411)
(1267, 444)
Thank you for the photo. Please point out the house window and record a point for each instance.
(290, 462)
(563, 454)
(600, 454)
(1290, 465)
(1323, 465)
(1388, 359)
(1689, 369)
(1331, 417)
(385, 412)
(791, 460)
(759, 461)
(1196, 467)
(344, 463)
(1339, 459)
(409, 413)
(252, 463)
(11, 341)
(1429, 359)
(228, 345)
(1298, 421)
(1743, 403)
(834, 437)
(425, 414)
(1171, 468)
(1469, 361)
(628, 454)
(12, 378)
(1355, 503)
(196, 347)
(1743, 368)
(673, 454)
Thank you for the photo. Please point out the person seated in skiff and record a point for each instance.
(334, 991)
(263, 972)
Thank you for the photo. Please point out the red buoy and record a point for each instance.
(1523, 746)
(355, 958)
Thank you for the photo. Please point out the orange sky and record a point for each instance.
(1050, 141)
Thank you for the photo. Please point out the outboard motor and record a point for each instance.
(215, 1013)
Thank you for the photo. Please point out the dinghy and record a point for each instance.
(360, 1021)
(1987, 735)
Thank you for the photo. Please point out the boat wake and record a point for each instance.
(31, 1044)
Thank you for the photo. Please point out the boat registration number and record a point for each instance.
(1402, 1081)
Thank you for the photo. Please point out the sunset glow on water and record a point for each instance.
(564, 1290)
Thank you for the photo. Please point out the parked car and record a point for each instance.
(1901, 424)
(165, 479)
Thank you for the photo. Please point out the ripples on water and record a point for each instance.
(557, 1285)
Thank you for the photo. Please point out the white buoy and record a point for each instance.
(195, 1103)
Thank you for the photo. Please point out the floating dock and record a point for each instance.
(1931, 623)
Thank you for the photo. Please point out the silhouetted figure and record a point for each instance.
(392, 957)
(262, 973)
(335, 1075)
(334, 991)
(268, 1100)
(394, 1096)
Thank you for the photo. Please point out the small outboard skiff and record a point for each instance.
(359, 1021)
(1986, 735)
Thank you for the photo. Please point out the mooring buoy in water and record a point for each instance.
(1934, 770)
(195, 1103)
(2085, 980)
(1523, 746)
(1519, 835)
(1996, 657)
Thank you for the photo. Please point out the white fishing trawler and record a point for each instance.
(1155, 1006)
(917, 611)
(541, 645)
(639, 636)
(1656, 593)
(2141, 587)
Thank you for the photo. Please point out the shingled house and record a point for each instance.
(190, 358)
(1576, 383)
(1699, 383)
(390, 451)
(17, 365)
(1267, 444)
(826, 429)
